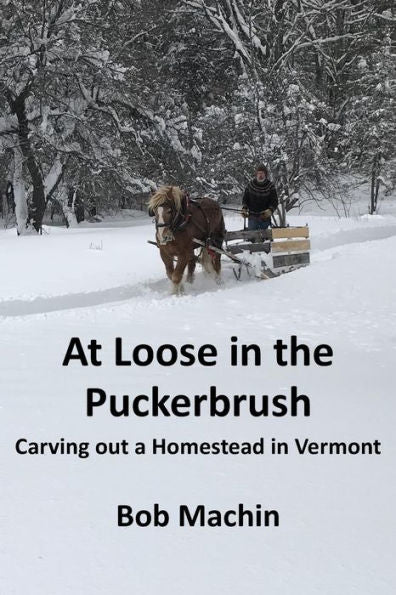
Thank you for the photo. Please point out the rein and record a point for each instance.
(230, 209)
(254, 213)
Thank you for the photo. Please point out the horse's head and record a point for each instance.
(165, 205)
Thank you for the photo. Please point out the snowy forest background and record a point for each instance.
(101, 101)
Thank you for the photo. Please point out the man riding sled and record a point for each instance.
(259, 200)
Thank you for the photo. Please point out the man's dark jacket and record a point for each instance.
(260, 196)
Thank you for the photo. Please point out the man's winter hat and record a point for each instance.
(262, 167)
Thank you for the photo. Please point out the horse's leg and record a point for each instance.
(177, 275)
(217, 264)
(220, 235)
(217, 268)
(191, 269)
(168, 262)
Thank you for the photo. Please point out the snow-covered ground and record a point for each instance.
(58, 513)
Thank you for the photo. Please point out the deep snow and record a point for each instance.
(58, 513)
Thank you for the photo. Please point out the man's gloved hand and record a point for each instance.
(265, 215)
(245, 212)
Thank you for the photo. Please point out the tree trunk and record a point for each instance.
(283, 190)
(21, 209)
(374, 184)
(66, 200)
(38, 198)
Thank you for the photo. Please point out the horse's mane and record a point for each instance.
(165, 193)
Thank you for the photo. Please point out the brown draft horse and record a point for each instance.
(178, 220)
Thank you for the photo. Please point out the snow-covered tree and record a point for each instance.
(66, 92)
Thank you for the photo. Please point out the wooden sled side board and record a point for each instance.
(290, 247)
(289, 232)
(290, 260)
